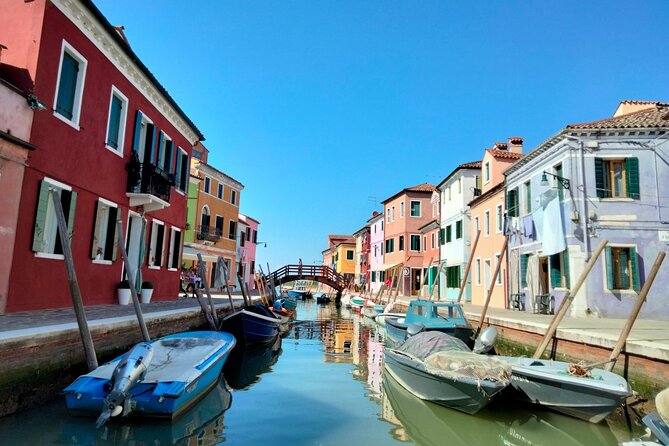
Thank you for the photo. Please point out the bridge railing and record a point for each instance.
(292, 272)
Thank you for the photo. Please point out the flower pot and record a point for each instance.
(146, 295)
(123, 296)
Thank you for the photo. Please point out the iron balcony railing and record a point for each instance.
(208, 233)
(145, 178)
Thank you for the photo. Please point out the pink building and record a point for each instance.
(246, 252)
(376, 241)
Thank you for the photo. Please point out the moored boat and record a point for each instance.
(357, 302)
(254, 324)
(321, 297)
(161, 378)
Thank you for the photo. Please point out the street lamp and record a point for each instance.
(563, 181)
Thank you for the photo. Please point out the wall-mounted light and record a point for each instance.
(264, 244)
(563, 181)
(34, 103)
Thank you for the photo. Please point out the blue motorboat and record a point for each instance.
(254, 324)
(160, 378)
(426, 315)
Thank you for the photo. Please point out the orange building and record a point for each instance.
(487, 215)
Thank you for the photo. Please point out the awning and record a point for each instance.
(385, 266)
(191, 254)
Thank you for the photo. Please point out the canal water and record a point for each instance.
(322, 385)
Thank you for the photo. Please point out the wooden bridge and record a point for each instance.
(319, 273)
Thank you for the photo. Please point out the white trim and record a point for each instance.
(170, 248)
(45, 255)
(79, 89)
(410, 249)
(155, 222)
(499, 226)
(420, 209)
(101, 262)
(122, 121)
(58, 184)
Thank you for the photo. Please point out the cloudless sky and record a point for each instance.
(316, 106)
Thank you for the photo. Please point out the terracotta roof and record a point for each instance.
(423, 187)
(504, 154)
(652, 117)
(469, 165)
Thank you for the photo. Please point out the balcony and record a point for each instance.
(208, 234)
(148, 185)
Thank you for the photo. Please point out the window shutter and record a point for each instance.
(448, 233)
(111, 229)
(172, 168)
(67, 86)
(523, 269)
(160, 145)
(152, 144)
(96, 231)
(599, 180)
(565, 264)
(511, 200)
(441, 236)
(114, 121)
(70, 217)
(632, 177)
(609, 268)
(40, 218)
(138, 130)
(636, 280)
(556, 277)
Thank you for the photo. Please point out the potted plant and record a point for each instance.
(147, 291)
(123, 292)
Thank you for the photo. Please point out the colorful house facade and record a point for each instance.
(247, 243)
(376, 242)
(362, 257)
(487, 215)
(601, 180)
(109, 141)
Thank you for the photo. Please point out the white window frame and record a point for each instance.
(478, 271)
(51, 219)
(152, 246)
(411, 237)
(392, 213)
(79, 90)
(499, 217)
(162, 151)
(498, 281)
(401, 209)
(171, 251)
(486, 172)
(486, 223)
(477, 228)
(122, 121)
(425, 243)
(233, 196)
(179, 169)
(420, 209)
(105, 229)
(432, 240)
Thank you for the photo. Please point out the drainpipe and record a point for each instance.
(584, 214)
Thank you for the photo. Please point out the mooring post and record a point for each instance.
(469, 265)
(203, 279)
(75, 292)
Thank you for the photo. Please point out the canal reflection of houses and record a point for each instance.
(337, 336)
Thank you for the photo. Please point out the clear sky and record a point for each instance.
(321, 107)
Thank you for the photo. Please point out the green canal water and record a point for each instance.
(323, 385)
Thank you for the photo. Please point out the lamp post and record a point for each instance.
(563, 181)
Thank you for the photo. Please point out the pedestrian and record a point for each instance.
(299, 268)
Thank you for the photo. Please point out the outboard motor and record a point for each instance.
(485, 341)
(414, 329)
(130, 370)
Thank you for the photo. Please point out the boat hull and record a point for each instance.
(253, 325)
(397, 331)
(465, 395)
(166, 391)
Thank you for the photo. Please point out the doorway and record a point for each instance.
(544, 277)
(416, 274)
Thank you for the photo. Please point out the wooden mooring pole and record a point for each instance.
(491, 288)
(559, 315)
(203, 279)
(75, 292)
(469, 265)
(635, 311)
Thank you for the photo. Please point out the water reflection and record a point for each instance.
(246, 363)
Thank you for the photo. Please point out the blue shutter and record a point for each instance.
(172, 168)
(565, 265)
(512, 202)
(600, 184)
(632, 177)
(66, 88)
(556, 276)
(609, 268)
(161, 137)
(152, 145)
(138, 130)
(636, 280)
(114, 122)
(523, 269)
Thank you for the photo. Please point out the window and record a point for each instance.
(442, 236)
(486, 223)
(157, 244)
(448, 234)
(382, 225)
(144, 139)
(207, 184)
(401, 243)
(559, 270)
(233, 197)
(232, 230)
(528, 198)
(415, 242)
(622, 269)
(392, 213)
(415, 208)
(478, 271)
(219, 225)
(449, 193)
(486, 172)
(118, 112)
(248, 234)
(70, 85)
(181, 175)
(390, 245)
(165, 153)
(46, 238)
(476, 225)
(401, 209)
(174, 249)
(255, 236)
(453, 277)
(219, 194)
(105, 238)
(373, 276)
(512, 202)
(458, 229)
(388, 215)
(349, 254)
(432, 240)
(499, 273)
(425, 242)
(524, 259)
(499, 219)
(459, 185)
(617, 178)
(205, 218)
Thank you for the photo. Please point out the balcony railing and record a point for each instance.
(145, 178)
(208, 233)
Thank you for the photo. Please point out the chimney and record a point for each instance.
(500, 146)
(516, 144)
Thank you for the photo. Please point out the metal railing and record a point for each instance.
(145, 178)
(208, 233)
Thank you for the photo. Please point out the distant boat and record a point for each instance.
(442, 369)
(357, 302)
(447, 317)
(321, 297)
(254, 324)
(300, 292)
(161, 378)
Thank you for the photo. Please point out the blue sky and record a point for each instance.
(315, 106)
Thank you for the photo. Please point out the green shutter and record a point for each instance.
(636, 280)
(159, 151)
(609, 268)
(632, 177)
(151, 152)
(512, 202)
(138, 130)
(556, 276)
(40, 218)
(458, 229)
(114, 122)
(599, 179)
(67, 86)
(448, 234)
(96, 230)
(565, 265)
(442, 237)
(70, 216)
(523, 269)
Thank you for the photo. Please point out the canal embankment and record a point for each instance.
(42, 351)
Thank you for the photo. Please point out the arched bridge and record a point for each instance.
(319, 273)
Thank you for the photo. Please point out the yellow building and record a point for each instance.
(340, 255)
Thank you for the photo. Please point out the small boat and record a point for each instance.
(254, 324)
(442, 369)
(357, 302)
(447, 317)
(161, 378)
(321, 297)
(287, 302)
(587, 394)
(300, 292)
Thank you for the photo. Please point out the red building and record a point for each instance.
(109, 140)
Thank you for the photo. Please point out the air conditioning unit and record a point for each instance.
(477, 191)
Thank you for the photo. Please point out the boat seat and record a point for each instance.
(536, 363)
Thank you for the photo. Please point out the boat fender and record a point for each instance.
(415, 328)
(485, 341)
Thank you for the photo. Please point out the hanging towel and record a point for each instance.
(528, 226)
(553, 233)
